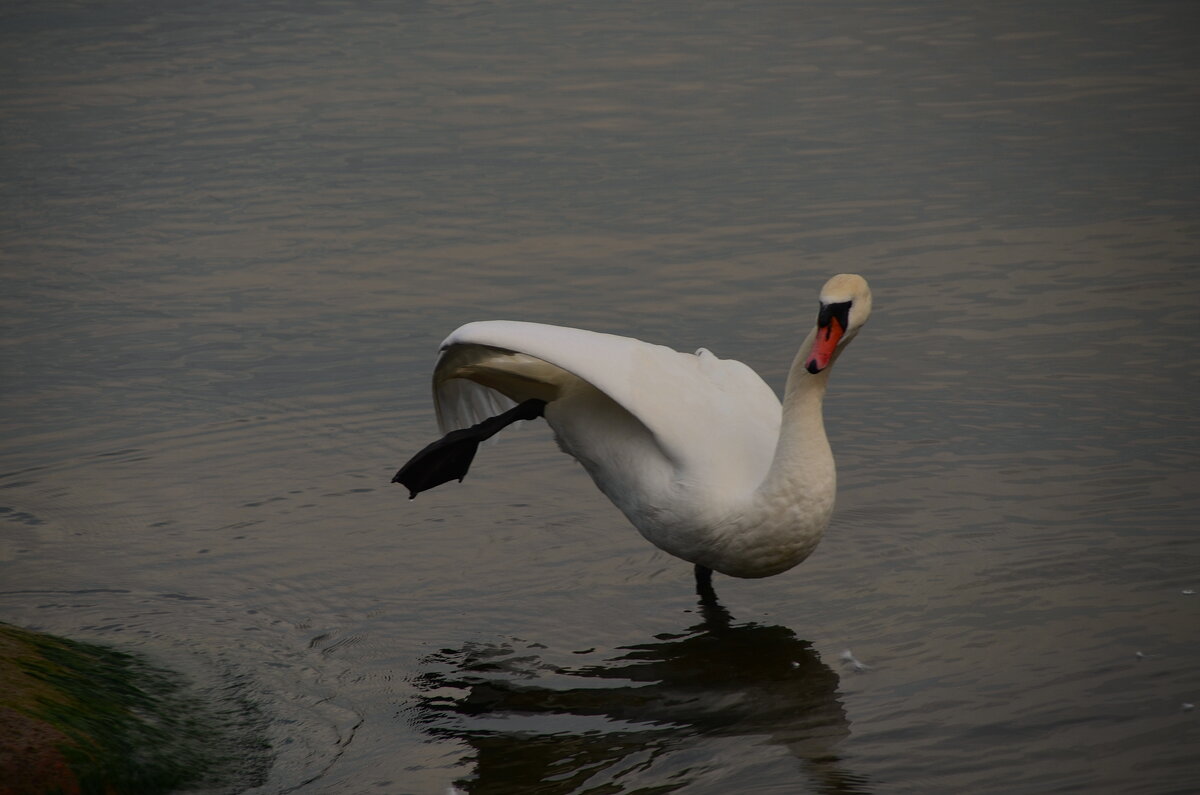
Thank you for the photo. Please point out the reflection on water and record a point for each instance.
(631, 713)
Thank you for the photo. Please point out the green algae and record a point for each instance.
(118, 723)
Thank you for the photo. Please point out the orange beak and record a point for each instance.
(824, 346)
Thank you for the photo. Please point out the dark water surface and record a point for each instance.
(234, 233)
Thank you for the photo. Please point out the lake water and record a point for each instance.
(234, 234)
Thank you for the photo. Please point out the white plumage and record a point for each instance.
(696, 451)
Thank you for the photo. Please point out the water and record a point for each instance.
(233, 235)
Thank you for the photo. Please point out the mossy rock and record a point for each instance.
(81, 718)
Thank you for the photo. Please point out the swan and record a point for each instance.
(696, 451)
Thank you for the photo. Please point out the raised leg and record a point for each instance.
(450, 457)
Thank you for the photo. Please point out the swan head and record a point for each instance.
(845, 307)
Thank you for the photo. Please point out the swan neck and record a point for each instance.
(803, 387)
(803, 461)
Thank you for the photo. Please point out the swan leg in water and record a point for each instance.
(450, 457)
(704, 586)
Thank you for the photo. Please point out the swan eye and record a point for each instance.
(839, 311)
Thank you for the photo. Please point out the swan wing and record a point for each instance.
(712, 417)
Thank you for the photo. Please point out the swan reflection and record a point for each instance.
(614, 726)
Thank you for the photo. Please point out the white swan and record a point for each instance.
(696, 451)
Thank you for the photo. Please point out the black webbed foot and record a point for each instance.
(450, 457)
(447, 459)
